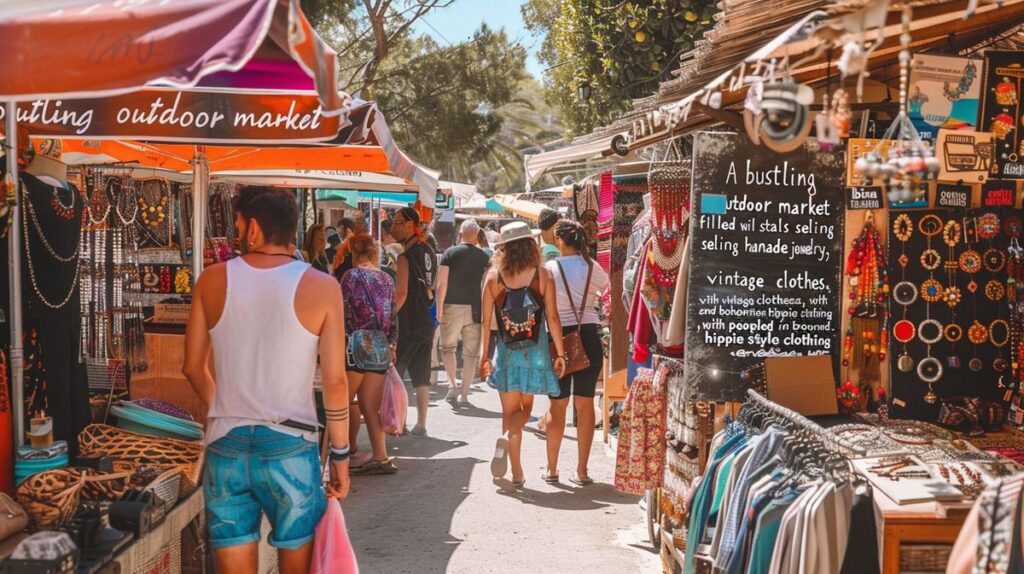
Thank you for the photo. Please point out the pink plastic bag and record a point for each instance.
(332, 550)
(394, 404)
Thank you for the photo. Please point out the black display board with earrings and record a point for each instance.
(948, 308)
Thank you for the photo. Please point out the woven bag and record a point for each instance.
(131, 451)
(50, 497)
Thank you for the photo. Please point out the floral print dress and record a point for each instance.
(640, 458)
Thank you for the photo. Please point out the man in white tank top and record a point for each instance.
(266, 317)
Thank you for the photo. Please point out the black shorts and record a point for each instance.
(414, 357)
(584, 383)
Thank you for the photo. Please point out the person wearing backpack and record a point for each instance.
(371, 321)
(577, 281)
(520, 295)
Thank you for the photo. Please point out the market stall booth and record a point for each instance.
(853, 259)
(83, 234)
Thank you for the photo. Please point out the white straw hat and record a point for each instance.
(514, 232)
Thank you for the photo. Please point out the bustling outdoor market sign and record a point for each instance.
(766, 245)
(193, 116)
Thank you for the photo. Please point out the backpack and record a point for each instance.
(519, 316)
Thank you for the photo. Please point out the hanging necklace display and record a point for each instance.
(99, 206)
(952, 234)
(85, 292)
(905, 292)
(122, 191)
(930, 331)
(910, 163)
(27, 202)
(63, 211)
(867, 336)
(41, 234)
(1014, 284)
(670, 189)
(154, 208)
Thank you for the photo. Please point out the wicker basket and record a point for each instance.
(924, 557)
(167, 486)
(50, 497)
(130, 451)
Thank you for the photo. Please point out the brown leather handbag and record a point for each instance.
(576, 358)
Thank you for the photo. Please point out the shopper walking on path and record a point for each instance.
(413, 294)
(578, 280)
(314, 248)
(261, 450)
(520, 295)
(370, 319)
(547, 221)
(459, 282)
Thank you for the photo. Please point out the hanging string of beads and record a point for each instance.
(867, 336)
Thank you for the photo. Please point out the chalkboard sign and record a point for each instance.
(766, 247)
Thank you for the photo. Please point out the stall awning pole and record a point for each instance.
(200, 189)
(14, 280)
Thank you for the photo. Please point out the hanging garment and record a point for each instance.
(628, 207)
(585, 206)
(992, 538)
(640, 459)
(861, 555)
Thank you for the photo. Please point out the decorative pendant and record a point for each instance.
(975, 365)
(905, 363)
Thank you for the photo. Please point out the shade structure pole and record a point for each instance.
(14, 279)
(200, 191)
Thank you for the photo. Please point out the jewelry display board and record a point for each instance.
(765, 260)
(948, 310)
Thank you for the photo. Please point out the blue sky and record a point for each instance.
(458, 22)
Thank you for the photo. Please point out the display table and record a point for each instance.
(921, 523)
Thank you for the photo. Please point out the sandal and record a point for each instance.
(499, 464)
(581, 480)
(375, 467)
(519, 483)
(550, 478)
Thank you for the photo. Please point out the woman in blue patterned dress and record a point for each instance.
(520, 295)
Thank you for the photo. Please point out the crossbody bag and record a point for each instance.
(576, 358)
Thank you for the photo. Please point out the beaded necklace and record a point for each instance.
(670, 189)
(867, 336)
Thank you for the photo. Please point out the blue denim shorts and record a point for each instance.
(254, 470)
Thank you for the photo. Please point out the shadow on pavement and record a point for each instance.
(474, 411)
(408, 446)
(568, 497)
(405, 519)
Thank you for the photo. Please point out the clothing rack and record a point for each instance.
(801, 421)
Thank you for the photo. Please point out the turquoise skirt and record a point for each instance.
(526, 370)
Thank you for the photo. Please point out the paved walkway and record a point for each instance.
(443, 512)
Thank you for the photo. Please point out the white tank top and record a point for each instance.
(264, 359)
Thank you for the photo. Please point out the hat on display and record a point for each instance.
(50, 148)
(514, 232)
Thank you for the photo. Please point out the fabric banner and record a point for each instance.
(193, 116)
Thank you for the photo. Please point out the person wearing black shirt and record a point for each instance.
(417, 266)
(459, 282)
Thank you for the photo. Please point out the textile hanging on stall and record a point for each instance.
(629, 206)
(992, 538)
(605, 220)
(670, 215)
(585, 206)
(640, 457)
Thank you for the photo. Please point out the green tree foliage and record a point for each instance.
(456, 108)
(621, 50)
